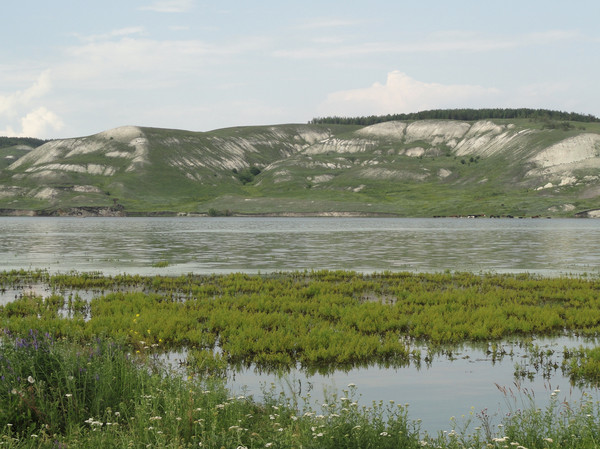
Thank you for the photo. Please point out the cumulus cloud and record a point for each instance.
(9, 104)
(39, 122)
(169, 6)
(401, 93)
(24, 107)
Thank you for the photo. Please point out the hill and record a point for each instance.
(433, 167)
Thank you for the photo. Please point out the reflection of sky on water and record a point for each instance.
(221, 245)
(436, 393)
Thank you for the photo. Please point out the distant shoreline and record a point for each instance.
(83, 212)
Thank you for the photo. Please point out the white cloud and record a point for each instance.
(39, 122)
(169, 6)
(136, 63)
(9, 104)
(121, 32)
(24, 107)
(327, 23)
(401, 94)
(439, 42)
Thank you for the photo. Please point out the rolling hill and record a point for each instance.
(492, 167)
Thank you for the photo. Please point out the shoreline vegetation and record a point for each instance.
(85, 212)
(80, 369)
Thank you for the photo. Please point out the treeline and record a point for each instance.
(460, 114)
(12, 141)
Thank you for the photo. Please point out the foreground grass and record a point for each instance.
(59, 395)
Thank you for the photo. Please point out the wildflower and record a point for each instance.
(268, 444)
(155, 418)
(383, 434)
(68, 395)
(241, 447)
(351, 385)
(33, 435)
(30, 380)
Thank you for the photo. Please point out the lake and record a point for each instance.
(223, 245)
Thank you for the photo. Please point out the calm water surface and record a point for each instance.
(222, 245)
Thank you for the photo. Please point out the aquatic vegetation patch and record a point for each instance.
(320, 320)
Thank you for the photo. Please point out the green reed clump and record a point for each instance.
(582, 364)
(55, 385)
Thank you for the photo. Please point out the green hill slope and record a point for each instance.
(405, 168)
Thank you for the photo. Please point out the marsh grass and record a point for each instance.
(160, 264)
(318, 320)
(56, 394)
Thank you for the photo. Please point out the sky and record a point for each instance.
(71, 68)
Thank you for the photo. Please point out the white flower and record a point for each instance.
(30, 380)
(268, 444)
(68, 395)
(383, 434)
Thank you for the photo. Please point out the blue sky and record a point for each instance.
(71, 68)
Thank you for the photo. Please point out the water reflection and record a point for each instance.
(221, 245)
(467, 382)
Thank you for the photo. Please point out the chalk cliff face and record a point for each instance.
(390, 167)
